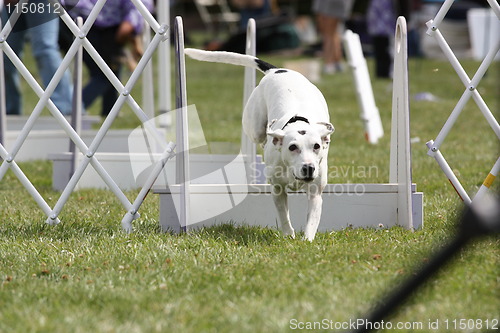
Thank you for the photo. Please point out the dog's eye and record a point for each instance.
(316, 146)
(293, 148)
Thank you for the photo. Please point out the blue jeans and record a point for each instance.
(42, 28)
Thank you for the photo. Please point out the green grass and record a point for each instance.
(87, 275)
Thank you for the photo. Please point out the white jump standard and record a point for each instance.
(344, 205)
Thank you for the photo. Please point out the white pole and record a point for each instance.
(182, 132)
(147, 16)
(364, 91)
(487, 182)
(164, 69)
(7, 28)
(449, 173)
(248, 147)
(148, 94)
(133, 211)
(400, 156)
(434, 24)
(495, 6)
(3, 107)
(76, 114)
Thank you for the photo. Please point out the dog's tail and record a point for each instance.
(229, 58)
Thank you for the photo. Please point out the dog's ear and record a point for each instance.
(324, 130)
(277, 135)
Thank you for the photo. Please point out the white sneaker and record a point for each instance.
(329, 69)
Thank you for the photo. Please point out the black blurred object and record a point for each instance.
(480, 220)
(273, 34)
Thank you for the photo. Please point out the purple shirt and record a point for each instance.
(113, 12)
(381, 19)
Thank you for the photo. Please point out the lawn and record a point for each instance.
(87, 275)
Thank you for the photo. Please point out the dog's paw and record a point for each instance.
(309, 236)
(289, 232)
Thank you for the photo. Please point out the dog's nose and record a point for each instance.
(308, 171)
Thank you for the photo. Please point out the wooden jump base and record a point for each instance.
(185, 206)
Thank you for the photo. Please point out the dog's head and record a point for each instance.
(302, 146)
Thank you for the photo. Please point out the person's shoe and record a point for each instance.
(329, 69)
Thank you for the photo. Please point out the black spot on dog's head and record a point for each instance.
(279, 71)
(302, 132)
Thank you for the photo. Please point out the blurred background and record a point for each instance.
(290, 25)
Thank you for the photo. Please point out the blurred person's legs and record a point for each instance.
(99, 86)
(332, 50)
(104, 41)
(16, 40)
(331, 15)
(43, 31)
(383, 58)
(381, 19)
(96, 84)
(44, 34)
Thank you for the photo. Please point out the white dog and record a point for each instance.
(289, 115)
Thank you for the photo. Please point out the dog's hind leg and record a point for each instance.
(281, 202)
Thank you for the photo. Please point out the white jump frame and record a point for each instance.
(182, 166)
(470, 91)
(248, 147)
(357, 205)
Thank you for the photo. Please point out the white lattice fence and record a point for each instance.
(87, 152)
(469, 92)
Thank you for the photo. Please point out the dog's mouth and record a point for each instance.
(305, 179)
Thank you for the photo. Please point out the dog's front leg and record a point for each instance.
(280, 198)
(315, 205)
